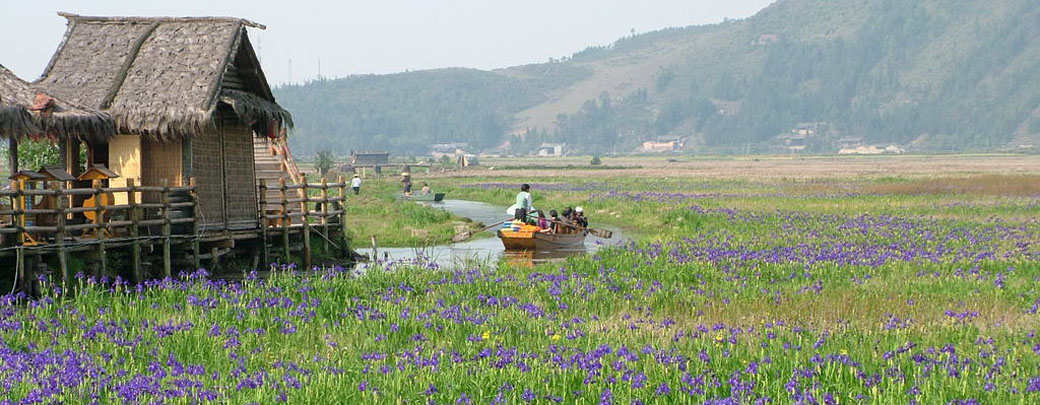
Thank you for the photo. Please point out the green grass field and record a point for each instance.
(873, 289)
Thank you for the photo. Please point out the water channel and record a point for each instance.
(484, 248)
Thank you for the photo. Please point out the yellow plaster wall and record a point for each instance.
(124, 158)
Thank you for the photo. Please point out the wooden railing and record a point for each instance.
(319, 212)
(60, 222)
(281, 145)
(56, 224)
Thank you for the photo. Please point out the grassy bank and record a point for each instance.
(376, 212)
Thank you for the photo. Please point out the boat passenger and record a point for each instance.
(566, 224)
(555, 217)
(520, 214)
(579, 217)
(543, 224)
(425, 189)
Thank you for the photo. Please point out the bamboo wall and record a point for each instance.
(207, 167)
(163, 163)
(239, 174)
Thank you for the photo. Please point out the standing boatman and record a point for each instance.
(523, 205)
(406, 183)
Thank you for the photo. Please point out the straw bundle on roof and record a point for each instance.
(60, 118)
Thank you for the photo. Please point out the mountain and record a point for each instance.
(930, 75)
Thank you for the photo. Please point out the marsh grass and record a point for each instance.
(733, 291)
(394, 223)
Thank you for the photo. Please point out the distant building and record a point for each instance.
(448, 149)
(850, 142)
(871, 150)
(669, 143)
(369, 158)
(793, 142)
(861, 150)
(552, 149)
(466, 160)
(806, 128)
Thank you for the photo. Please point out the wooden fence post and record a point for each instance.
(325, 215)
(305, 206)
(99, 213)
(345, 249)
(214, 254)
(375, 250)
(165, 199)
(263, 222)
(63, 258)
(19, 220)
(135, 232)
(285, 219)
(195, 234)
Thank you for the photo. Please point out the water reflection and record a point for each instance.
(485, 248)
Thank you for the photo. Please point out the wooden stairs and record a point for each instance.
(273, 163)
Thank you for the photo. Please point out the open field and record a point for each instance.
(748, 285)
(776, 167)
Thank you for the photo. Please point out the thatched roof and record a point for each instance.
(50, 118)
(163, 77)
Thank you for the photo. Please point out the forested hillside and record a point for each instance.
(933, 75)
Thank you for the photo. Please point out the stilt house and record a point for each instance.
(188, 100)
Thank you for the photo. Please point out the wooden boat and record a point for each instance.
(527, 239)
(422, 197)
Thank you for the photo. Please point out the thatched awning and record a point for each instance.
(256, 111)
(162, 76)
(27, 112)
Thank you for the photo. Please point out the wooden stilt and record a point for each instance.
(135, 232)
(59, 237)
(375, 250)
(306, 229)
(101, 227)
(19, 220)
(195, 233)
(166, 229)
(285, 220)
(265, 255)
(72, 163)
(325, 215)
(345, 246)
(215, 259)
(12, 155)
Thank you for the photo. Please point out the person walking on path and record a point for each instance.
(355, 183)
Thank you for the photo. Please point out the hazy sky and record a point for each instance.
(380, 36)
